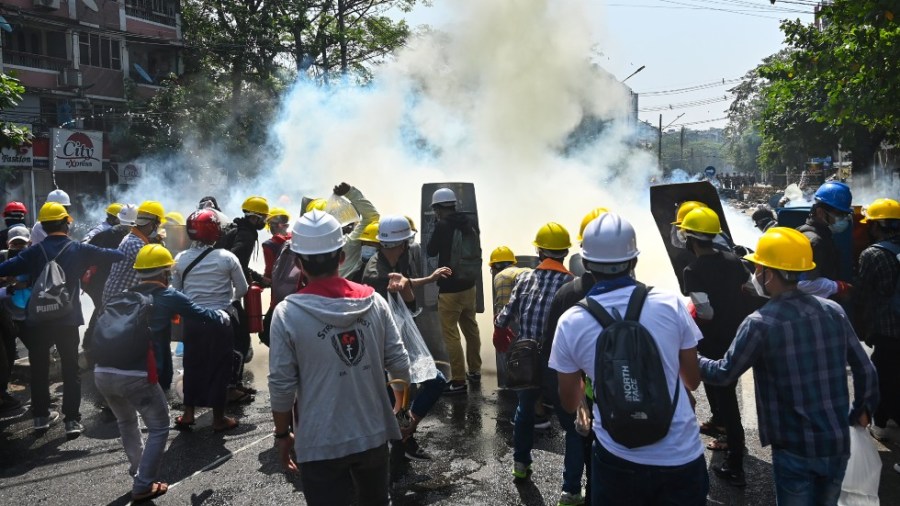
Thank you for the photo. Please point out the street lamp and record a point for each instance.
(642, 67)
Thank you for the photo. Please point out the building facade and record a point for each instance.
(80, 61)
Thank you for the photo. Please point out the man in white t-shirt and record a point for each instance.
(673, 467)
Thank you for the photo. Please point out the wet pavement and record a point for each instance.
(470, 438)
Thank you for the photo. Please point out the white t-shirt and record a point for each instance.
(668, 321)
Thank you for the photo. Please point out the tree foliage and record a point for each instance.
(11, 135)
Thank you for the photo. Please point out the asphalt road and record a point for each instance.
(470, 438)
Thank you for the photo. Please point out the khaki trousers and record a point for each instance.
(457, 311)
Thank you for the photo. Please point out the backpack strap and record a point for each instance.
(636, 302)
(196, 261)
(597, 311)
(889, 246)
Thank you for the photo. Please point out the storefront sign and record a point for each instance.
(130, 173)
(77, 150)
(23, 156)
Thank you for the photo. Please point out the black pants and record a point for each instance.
(727, 404)
(886, 359)
(39, 339)
(9, 330)
(361, 478)
(241, 343)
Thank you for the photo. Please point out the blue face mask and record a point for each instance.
(840, 225)
(367, 252)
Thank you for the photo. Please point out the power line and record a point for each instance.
(704, 86)
(685, 105)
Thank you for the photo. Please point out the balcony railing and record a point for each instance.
(37, 61)
(148, 14)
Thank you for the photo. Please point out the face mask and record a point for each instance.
(153, 234)
(839, 225)
(677, 237)
(412, 240)
(367, 252)
(760, 287)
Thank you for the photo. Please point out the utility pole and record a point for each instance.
(681, 157)
(659, 154)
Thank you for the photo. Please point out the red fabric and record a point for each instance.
(152, 375)
(271, 249)
(503, 338)
(552, 264)
(336, 287)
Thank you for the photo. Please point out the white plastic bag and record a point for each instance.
(421, 363)
(860, 485)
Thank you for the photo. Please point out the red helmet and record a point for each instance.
(15, 208)
(203, 225)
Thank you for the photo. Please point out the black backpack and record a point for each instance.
(523, 365)
(630, 386)
(894, 249)
(465, 254)
(50, 298)
(122, 334)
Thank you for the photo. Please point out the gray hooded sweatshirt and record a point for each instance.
(331, 353)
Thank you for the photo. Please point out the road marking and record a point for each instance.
(222, 459)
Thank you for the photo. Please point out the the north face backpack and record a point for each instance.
(630, 384)
(893, 248)
(523, 365)
(50, 299)
(122, 335)
(465, 254)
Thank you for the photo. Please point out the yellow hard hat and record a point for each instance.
(882, 209)
(553, 236)
(589, 217)
(153, 256)
(319, 204)
(154, 208)
(279, 211)
(256, 205)
(412, 224)
(703, 220)
(114, 209)
(502, 254)
(370, 233)
(53, 211)
(176, 218)
(784, 249)
(686, 207)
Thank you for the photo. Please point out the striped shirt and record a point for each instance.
(799, 346)
(530, 301)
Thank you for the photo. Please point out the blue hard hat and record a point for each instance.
(836, 195)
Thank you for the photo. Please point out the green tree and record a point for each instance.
(11, 135)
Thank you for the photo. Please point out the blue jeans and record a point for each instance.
(616, 481)
(806, 481)
(523, 431)
(429, 393)
(127, 396)
(573, 460)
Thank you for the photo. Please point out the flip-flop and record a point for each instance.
(232, 424)
(241, 398)
(181, 425)
(157, 489)
(707, 428)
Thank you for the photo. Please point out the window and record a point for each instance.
(99, 51)
(158, 11)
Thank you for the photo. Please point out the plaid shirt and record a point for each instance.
(504, 282)
(531, 298)
(122, 276)
(799, 346)
(879, 273)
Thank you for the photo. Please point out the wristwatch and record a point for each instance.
(283, 435)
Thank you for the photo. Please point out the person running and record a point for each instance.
(673, 468)
(74, 258)
(799, 346)
(331, 342)
(211, 278)
(130, 386)
(528, 305)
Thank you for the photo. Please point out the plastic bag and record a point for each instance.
(860, 485)
(421, 363)
(342, 209)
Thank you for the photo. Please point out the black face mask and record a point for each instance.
(260, 225)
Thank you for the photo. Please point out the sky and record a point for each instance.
(681, 44)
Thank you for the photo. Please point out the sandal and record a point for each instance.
(718, 445)
(247, 390)
(181, 425)
(231, 424)
(708, 428)
(237, 396)
(157, 489)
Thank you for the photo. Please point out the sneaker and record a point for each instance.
(541, 423)
(44, 422)
(73, 429)
(735, 477)
(569, 499)
(474, 377)
(879, 433)
(454, 388)
(413, 451)
(521, 472)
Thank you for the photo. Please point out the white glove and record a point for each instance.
(224, 317)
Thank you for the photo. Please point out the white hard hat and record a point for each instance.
(60, 197)
(315, 233)
(18, 233)
(128, 214)
(609, 239)
(394, 229)
(443, 196)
